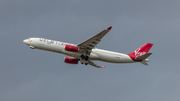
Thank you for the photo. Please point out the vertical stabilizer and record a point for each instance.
(140, 51)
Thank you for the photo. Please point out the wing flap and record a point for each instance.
(93, 41)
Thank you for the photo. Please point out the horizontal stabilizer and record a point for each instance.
(142, 57)
(144, 63)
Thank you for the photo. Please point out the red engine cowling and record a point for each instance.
(71, 48)
(70, 60)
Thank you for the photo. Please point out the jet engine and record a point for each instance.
(70, 60)
(71, 48)
(32, 47)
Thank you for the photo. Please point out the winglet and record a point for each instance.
(109, 28)
(103, 66)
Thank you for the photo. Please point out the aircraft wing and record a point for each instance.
(93, 64)
(88, 45)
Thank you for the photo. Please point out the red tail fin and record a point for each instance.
(140, 51)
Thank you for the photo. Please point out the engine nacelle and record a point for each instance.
(70, 60)
(32, 47)
(71, 48)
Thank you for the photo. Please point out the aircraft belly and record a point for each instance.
(113, 58)
(93, 56)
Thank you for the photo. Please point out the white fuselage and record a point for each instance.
(59, 47)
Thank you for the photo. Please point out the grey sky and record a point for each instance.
(36, 75)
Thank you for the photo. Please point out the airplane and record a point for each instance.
(86, 52)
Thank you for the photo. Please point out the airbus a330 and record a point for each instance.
(86, 52)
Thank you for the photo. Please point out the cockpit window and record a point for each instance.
(29, 40)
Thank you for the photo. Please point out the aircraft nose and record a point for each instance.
(25, 41)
